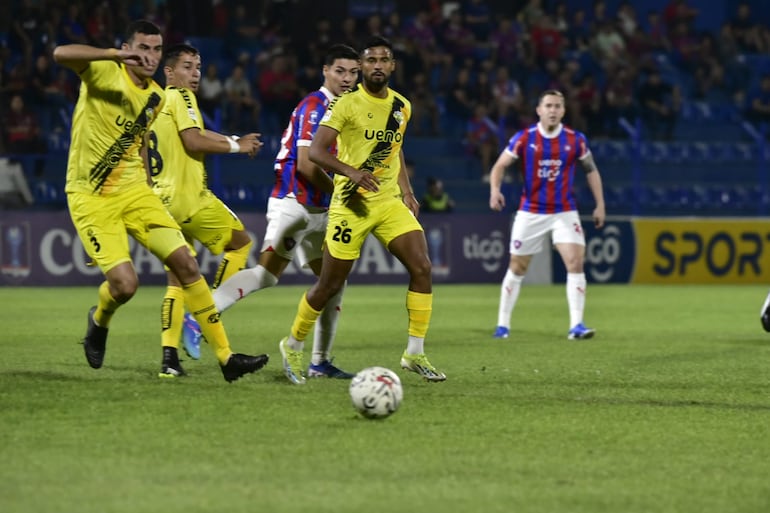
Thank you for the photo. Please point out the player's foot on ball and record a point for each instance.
(191, 336)
(292, 362)
(501, 332)
(95, 341)
(325, 369)
(419, 364)
(170, 367)
(580, 332)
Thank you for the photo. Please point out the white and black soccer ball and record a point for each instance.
(376, 392)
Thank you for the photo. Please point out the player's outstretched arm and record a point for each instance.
(206, 141)
(77, 57)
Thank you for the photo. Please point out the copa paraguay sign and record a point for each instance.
(678, 250)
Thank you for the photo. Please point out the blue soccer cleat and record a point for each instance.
(191, 337)
(501, 332)
(580, 332)
(325, 369)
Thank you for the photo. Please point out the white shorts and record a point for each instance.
(530, 230)
(293, 229)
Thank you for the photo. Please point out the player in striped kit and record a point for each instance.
(297, 209)
(549, 152)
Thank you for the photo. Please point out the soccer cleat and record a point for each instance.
(419, 363)
(171, 368)
(191, 336)
(325, 369)
(95, 341)
(765, 318)
(580, 332)
(501, 332)
(241, 364)
(292, 363)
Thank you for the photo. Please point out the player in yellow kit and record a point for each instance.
(178, 143)
(108, 192)
(372, 194)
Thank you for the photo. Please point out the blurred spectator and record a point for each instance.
(507, 93)
(609, 46)
(425, 115)
(758, 103)
(627, 19)
(72, 29)
(348, 33)
(741, 26)
(678, 11)
(599, 15)
(459, 102)
(589, 100)
(481, 139)
(424, 39)
(49, 95)
(547, 42)
(211, 90)
(436, 199)
(278, 92)
(242, 106)
(505, 43)
(531, 13)
(477, 18)
(686, 47)
(28, 30)
(619, 101)
(22, 129)
(100, 26)
(243, 34)
(656, 30)
(457, 39)
(579, 31)
(659, 103)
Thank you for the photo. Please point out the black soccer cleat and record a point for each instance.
(95, 341)
(240, 364)
(171, 368)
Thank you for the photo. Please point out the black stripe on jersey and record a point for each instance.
(107, 163)
(381, 150)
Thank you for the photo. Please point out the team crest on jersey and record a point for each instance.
(327, 116)
(149, 112)
(399, 116)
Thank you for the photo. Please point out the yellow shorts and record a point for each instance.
(213, 226)
(386, 219)
(103, 223)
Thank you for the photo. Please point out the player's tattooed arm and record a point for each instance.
(589, 164)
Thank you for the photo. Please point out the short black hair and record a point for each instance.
(378, 41)
(340, 52)
(141, 27)
(171, 55)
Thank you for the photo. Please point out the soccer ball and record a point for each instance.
(376, 392)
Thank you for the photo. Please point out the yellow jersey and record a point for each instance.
(179, 177)
(370, 134)
(108, 125)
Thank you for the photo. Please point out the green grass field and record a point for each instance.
(667, 409)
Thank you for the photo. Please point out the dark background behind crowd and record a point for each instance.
(639, 77)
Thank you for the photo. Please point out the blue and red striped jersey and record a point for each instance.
(299, 132)
(548, 167)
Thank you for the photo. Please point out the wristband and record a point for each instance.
(234, 146)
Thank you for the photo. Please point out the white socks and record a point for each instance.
(576, 297)
(509, 293)
(240, 285)
(326, 328)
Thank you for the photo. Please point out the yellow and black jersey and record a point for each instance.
(111, 118)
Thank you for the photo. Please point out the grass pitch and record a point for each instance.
(667, 409)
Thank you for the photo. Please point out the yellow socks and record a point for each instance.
(420, 308)
(200, 303)
(232, 262)
(306, 317)
(172, 317)
(106, 307)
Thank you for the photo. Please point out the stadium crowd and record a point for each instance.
(472, 68)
